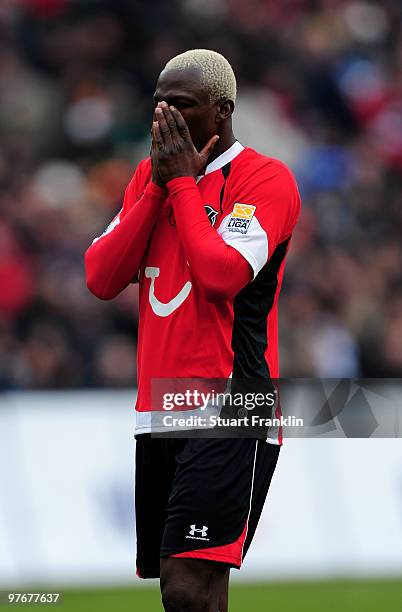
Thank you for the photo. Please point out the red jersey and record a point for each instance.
(252, 203)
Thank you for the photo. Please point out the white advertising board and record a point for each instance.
(67, 511)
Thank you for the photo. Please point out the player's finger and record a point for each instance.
(156, 135)
(171, 121)
(181, 124)
(209, 147)
(163, 126)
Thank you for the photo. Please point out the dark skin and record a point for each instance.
(194, 585)
(189, 131)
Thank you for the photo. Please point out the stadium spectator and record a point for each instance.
(319, 87)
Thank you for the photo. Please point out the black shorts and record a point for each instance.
(199, 498)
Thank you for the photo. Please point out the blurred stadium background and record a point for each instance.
(320, 87)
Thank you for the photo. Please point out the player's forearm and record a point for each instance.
(218, 269)
(113, 260)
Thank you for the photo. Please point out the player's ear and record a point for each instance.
(225, 110)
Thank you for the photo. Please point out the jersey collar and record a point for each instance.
(225, 157)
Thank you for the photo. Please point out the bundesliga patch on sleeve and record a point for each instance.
(240, 218)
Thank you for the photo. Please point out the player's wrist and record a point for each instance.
(180, 180)
(156, 189)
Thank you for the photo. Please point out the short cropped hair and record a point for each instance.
(216, 73)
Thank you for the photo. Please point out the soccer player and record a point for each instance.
(204, 227)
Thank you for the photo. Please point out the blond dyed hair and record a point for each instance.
(216, 73)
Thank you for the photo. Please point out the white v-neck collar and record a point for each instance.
(224, 158)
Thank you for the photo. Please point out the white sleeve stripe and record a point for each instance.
(109, 228)
(248, 255)
(252, 243)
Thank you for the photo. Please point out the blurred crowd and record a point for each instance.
(320, 87)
